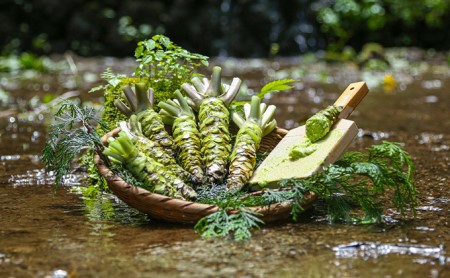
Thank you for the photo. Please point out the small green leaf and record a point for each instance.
(149, 44)
(138, 52)
(165, 41)
(271, 87)
(114, 82)
(276, 86)
(147, 60)
(159, 55)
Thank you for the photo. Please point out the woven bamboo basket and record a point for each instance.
(174, 210)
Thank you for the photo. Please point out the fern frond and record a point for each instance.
(113, 80)
(271, 196)
(222, 223)
(72, 132)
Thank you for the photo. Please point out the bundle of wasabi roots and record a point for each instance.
(198, 153)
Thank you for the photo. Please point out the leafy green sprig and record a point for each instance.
(233, 219)
(165, 64)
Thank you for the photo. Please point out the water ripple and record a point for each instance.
(376, 249)
(41, 177)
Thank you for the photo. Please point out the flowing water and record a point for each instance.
(47, 233)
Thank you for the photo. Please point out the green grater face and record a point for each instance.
(278, 166)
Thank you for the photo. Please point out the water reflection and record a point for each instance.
(376, 249)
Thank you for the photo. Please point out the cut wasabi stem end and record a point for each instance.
(320, 124)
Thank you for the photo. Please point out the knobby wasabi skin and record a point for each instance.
(212, 103)
(155, 175)
(216, 147)
(140, 102)
(186, 135)
(187, 139)
(153, 128)
(320, 124)
(151, 149)
(257, 124)
(243, 158)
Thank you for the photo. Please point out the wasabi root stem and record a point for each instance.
(152, 149)
(251, 131)
(212, 103)
(141, 104)
(320, 124)
(186, 135)
(153, 174)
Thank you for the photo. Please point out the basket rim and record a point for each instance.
(123, 191)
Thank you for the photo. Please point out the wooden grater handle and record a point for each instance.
(351, 97)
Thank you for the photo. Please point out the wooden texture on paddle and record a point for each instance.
(278, 166)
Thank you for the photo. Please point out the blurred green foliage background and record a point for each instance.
(240, 28)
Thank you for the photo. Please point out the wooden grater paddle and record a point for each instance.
(277, 165)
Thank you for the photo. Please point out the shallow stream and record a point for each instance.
(44, 233)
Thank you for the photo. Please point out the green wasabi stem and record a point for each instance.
(305, 148)
(140, 103)
(152, 149)
(210, 99)
(258, 123)
(185, 134)
(320, 124)
(216, 139)
(156, 177)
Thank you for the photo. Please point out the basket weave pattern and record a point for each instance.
(174, 210)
